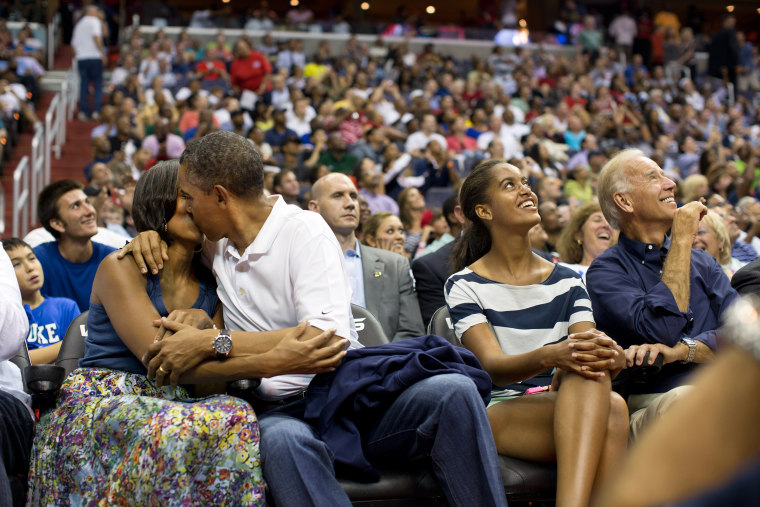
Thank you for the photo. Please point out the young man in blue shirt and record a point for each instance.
(71, 261)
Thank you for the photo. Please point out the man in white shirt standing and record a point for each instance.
(16, 423)
(89, 52)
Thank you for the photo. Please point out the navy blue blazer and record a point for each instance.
(340, 403)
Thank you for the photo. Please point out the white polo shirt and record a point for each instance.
(293, 270)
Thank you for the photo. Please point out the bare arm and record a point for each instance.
(120, 288)
(508, 369)
(45, 355)
(677, 268)
(188, 356)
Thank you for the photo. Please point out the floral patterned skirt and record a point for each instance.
(115, 438)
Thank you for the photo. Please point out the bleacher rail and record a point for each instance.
(20, 209)
(31, 176)
(40, 158)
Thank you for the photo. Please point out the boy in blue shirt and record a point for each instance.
(48, 317)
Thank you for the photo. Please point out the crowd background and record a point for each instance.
(396, 121)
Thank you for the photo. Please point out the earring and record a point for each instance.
(198, 249)
(579, 242)
(164, 227)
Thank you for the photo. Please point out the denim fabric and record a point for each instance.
(90, 71)
(442, 417)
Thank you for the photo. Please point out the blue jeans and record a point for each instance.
(442, 416)
(90, 71)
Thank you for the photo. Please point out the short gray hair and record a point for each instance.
(745, 202)
(612, 180)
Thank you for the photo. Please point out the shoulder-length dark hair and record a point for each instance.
(155, 199)
(476, 240)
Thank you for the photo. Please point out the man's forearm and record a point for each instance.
(676, 272)
(234, 368)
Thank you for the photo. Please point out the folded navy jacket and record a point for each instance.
(342, 403)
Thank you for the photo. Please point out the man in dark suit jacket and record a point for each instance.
(381, 280)
(747, 279)
(430, 273)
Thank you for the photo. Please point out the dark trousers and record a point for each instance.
(16, 433)
(90, 72)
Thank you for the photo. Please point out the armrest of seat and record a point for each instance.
(637, 374)
(244, 388)
(44, 381)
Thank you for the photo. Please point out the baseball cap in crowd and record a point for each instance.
(416, 93)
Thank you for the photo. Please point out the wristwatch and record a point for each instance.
(222, 344)
(692, 344)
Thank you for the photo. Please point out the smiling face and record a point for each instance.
(707, 240)
(596, 235)
(76, 216)
(651, 198)
(513, 204)
(28, 270)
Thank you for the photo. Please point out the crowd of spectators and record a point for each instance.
(396, 121)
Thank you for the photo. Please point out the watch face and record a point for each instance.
(223, 344)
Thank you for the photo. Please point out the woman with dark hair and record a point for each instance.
(411, 205)
(117, 437)
(530, 324)
(585, 236)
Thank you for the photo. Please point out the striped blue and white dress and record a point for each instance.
(522, 317)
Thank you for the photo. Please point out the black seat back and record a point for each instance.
(440, 325)
(72, 348)
(367, 327)
(21, 359)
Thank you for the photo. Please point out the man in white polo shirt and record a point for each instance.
(277, 265)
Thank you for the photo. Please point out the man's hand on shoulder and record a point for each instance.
(148, 251)
(686, 221)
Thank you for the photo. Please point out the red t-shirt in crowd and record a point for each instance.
(248, 73)
(206, 65)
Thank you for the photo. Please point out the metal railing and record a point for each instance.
(53, 29)
(71, 94)
(2, 210)
(31, 175)
(20, 210)
(40, 159)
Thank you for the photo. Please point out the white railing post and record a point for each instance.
(2, 210)
(61, 119)
(40, 159)
(52, 39)
(20, 208)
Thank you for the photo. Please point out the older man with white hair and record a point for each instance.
(651, 292)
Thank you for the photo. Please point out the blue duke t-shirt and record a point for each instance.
(49, 321)
(67, 279)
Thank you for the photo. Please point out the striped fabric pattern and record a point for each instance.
(523, 318)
